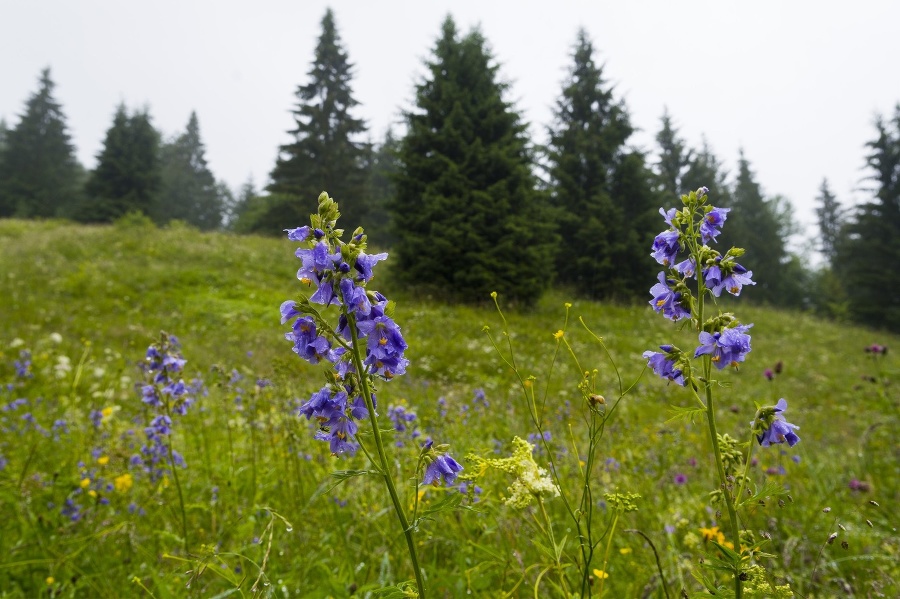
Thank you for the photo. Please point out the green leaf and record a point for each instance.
(449, 502)
(684, 413)
(341, 475)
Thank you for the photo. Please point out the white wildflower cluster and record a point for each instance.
(531, 482)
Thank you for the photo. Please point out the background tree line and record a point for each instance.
(466, 201)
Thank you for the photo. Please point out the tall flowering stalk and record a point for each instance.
(694, 276)
(166, 394)
(580, 503)
(364, 347)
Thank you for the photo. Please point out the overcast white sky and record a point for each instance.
(796, 84)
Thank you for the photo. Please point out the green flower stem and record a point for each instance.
(379, 447)
(711, 412)
(177, 485)
(612, 532)
(550, 535)
(729, 502)
(738, 497)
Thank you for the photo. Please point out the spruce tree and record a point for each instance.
(829, 217)
(867, 258)
(236, 209)
(188, 190)
(467, 217)
(382, 187)
(4, 131)
(754, 225)
(39, 175)
(632, 186)
(674, 160)
(597, 224)
(127, 177)
(325, 153)
(705, 170)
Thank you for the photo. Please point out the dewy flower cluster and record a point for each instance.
(680, 291)
(337, 274)
(690, 231)
(167, 396)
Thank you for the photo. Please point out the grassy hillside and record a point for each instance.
(85, 302)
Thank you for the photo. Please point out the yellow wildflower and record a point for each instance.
(558, 334)
(600, 574)
(85, 483)
(422, 492)
(50, 580)
(625, 550)
(92, 493)
(123, 483)
(713, 534)
(103, 460)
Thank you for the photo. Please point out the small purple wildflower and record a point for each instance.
(23, 365)
(775, 429)
(712, 224)
(443, 467)
(727, 348)
(859, 485)
(680, 479)
(665, 247)
(667, 301)
(663, 364)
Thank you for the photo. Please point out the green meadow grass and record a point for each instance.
(87, 301)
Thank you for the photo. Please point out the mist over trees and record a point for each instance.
(464, 199)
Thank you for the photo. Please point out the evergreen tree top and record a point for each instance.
(39, 175)
(43, 116)
(328, 90)
(462, 95)
(674, 158)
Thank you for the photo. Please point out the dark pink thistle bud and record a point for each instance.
(769, 374)
(859, 485)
